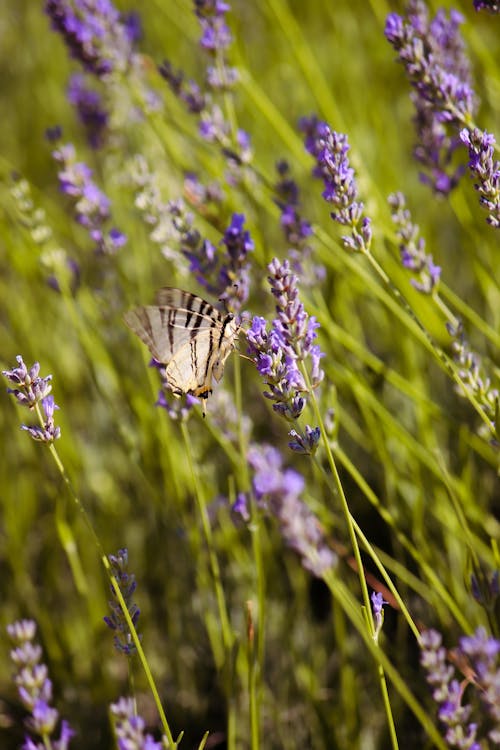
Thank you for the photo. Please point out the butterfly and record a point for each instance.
(189, 336)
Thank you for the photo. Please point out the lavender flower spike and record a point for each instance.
(483, 654)
(225, 273)
(433, 54)
(278, 490)
(280, 352)
(35, 689)
(412, 247)
(123, 640)
(486, 169)
(130, 728)
(332, 166)
(94, 34)
(30, 391)
(49, 432)
(89, 106)
(92, 206)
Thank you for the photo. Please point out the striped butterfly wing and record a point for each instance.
(188, 335)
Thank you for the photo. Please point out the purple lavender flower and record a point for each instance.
(130, 729)
(486, 169)
(35, 688)
(378, 602)
(484, 655)
(278, 490)
(214, 126)
(94, 34)
(211, 14)
(240, 507)
(187, 91)
(472, 374)
(133, 26)
(123, 640)
(296, 229)
(412, 247)
(92, 206)
(224, 273)
(332, 165)
(280, 352)
(30, 389)
(305, 443)
(89, 106)
(48, 432)
(492, 6)
(448, 692)
(215, 39)
(433, 54)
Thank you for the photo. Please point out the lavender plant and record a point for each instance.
(126, 581)
(257, 570)
(35, 690)
(448, 692)
(33, 391)
(282, 353)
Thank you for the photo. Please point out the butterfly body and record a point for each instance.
(189, 336)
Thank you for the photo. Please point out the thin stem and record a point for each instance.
(439, 353)
(343, 500)
(256, 665)
(357, 554)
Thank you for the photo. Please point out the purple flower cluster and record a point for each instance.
(215, 38)
(279, 490)
(281, 352)
(330, 149)
(433, 54)
(35, 689)
(91, 205)
(215, 32)
(482, 652)
(412, 247)
(296, 229)
(116, 621)
(90, 108)
(224, 273)
(94, 34)
(30, 391)
(486, 169)
(214, 126)
(130, 728)
(187, 91)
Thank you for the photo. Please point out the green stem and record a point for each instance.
(448, 365)
(343, 596)
(351, 526)
(256, 663)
